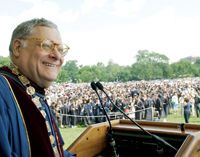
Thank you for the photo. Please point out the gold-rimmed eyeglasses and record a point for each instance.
(48, 45)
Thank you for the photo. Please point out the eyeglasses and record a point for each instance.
(48, 46)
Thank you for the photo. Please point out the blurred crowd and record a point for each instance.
(73, 104)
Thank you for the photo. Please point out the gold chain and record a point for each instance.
(31, 92)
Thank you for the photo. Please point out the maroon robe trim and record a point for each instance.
(35, 122)
(27, 136)
(56, 132)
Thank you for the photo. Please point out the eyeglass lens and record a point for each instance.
(48, 45)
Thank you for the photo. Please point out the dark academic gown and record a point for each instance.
(122, 107)
(74, 112)
(162, 114)
(64, 111)
(138, 114)
(79, 112)
(96, 111)
(154, 100)
(117, 103)
(159, 105)
(148, 103)
(166, 106)
(107, 108)
(91, 113)
(133, 92)
(22, 127)
(86, 112)
(170, 100)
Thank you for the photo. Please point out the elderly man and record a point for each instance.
(27, 127)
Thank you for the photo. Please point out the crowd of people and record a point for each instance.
(27, 125)
(72, 104)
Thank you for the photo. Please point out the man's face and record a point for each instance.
(39, 66)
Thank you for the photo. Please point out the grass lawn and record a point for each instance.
(179, 119)
(70, 134)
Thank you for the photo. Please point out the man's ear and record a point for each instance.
(16, 47)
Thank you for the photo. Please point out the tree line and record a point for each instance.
(147, 66)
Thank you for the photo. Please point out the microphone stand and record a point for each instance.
(159, 140)
(110, 131)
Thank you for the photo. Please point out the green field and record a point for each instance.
(70, 134)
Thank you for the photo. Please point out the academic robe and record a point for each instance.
(166, 106)
(65, 118)
(107, 108)
(86, 112)
(22, 127)
(138, 113)
(148, 104)
(74, 111)
(159, 107)
(96, 111)
(117, 103)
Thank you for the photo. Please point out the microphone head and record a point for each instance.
(99, 85)
(93, 85)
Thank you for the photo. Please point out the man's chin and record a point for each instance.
(47, 82)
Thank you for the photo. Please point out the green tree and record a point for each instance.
(196, 71)
(175, 71)
(102, 72)
(111, 71)
(100, 65)
(96, 72)
(183, 69)
(62, 76)
(151, 65)
(71, 69)
(197, 62)
(4, 61)
(123, 74)
(86, 74)
(146, 57)
(139, 71)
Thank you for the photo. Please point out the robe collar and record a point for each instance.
(38, 89)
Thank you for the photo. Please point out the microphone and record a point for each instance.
(110, 131)
(94, 87)
(159, 140)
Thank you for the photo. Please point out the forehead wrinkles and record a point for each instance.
(44, 32)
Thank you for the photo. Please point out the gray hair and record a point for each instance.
(25, 29)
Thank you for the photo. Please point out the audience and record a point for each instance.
(72, 104)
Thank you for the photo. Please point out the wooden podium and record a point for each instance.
(132, 141)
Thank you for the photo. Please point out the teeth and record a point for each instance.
(49, 65)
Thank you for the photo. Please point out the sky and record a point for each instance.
(103, 30)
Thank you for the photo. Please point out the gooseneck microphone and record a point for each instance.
(110, 131)
(93, 85)
(159, 140)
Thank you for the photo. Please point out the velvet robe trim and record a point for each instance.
(14, 141)
(39, 141)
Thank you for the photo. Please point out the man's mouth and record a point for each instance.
(51, 65)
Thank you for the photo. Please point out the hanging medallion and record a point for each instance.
(15, 71)
(24, 80)
(48, 126)
(30, 90)
(37, 102)
(52, 139)
(56, 153)
(43, 113)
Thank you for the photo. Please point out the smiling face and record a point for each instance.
(39, 66)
